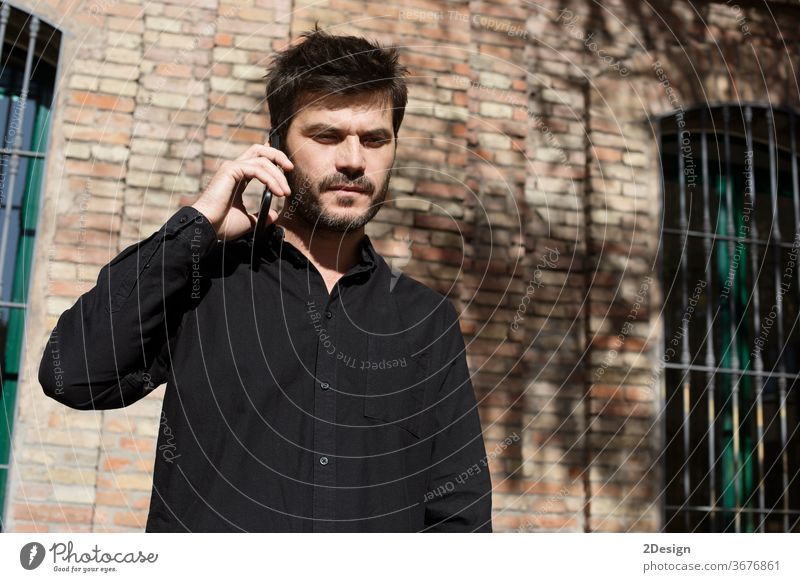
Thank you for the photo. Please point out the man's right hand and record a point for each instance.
(221, 202)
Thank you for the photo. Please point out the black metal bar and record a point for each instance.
(734, 396)
(796, 205)
(710, 358)
(5, 11)
(685, 358)
(33, 30)
(779, 296)
(731, 371)
(712, 508)
(750, 194)
(713, 237)
(22, 153)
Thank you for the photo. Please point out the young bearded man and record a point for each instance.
(308, 388)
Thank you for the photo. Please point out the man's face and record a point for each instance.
(343, 149)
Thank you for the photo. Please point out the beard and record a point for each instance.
(305, 200)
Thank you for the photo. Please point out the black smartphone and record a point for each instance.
(266, 199)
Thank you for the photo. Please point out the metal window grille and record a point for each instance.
(29, 52)
(731, 353)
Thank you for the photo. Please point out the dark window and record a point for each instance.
(30, 50)
(730, 274)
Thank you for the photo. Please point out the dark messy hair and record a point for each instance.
(326, 64)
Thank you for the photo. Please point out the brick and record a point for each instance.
(136, 519)
(101, 101)
(61, 513)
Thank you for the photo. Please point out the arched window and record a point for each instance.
(731, 353)
(29, 53)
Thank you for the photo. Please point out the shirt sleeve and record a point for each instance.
(110, 348)
(459, 492)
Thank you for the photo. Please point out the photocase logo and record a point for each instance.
(31, 555)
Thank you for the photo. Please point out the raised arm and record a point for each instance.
(109, 349)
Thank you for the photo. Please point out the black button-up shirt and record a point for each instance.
(287, 409)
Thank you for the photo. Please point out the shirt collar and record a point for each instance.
(275, 246)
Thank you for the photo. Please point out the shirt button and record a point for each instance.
(323, 461)
(328, 314)
(324, 385)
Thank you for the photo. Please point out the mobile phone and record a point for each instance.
(266, 199)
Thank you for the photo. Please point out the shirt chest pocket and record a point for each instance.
(396, 379)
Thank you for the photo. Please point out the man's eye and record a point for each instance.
(326, 137)
(376, 141)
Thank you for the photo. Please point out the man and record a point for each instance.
(308, 387)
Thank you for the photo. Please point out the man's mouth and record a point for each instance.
(348, 189)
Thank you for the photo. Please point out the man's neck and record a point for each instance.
(328, 250)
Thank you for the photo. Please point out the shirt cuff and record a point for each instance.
(193, 227)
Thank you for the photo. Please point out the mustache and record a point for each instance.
(340, 181)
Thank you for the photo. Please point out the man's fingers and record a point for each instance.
(246, 155)
(275, 172)
(256, 169)
(276, 156)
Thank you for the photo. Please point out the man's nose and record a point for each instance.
(350, 157)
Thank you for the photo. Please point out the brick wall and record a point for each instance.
(526, 185)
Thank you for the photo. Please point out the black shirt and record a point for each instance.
(287, 409)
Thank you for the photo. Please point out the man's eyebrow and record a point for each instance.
(317, 128)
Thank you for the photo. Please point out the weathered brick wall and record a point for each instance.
(601, 62)
(526, 188)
